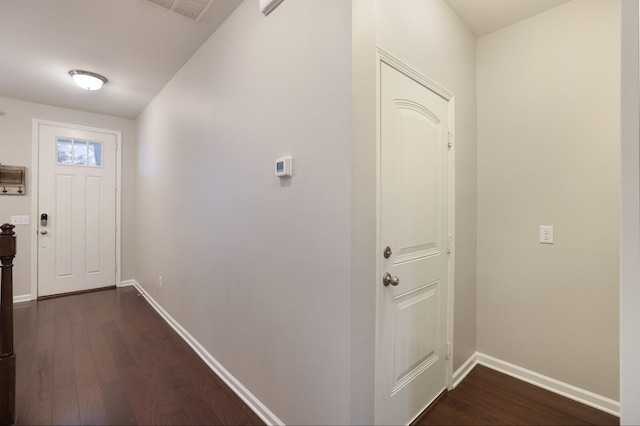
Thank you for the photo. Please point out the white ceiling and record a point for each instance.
(136, 45)
(139, 47)
(486, 16)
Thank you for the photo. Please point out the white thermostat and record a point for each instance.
(284, 167)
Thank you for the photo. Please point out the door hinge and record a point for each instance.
(449, 249)
(448, 350)
(449, 143)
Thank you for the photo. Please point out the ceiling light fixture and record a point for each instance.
(87, 79)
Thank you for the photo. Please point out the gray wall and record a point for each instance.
(15, 150)
(549, 154)
(256, 268)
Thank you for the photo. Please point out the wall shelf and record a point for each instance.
(12, 180)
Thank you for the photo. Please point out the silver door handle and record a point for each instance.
(43, 232)
(388, 279)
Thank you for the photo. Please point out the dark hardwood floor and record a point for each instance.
(108, 358)
(487, 397)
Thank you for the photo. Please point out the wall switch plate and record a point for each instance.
(19, 220)
(546, 234)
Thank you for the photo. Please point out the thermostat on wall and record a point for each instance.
(284, 167)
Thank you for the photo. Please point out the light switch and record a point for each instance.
(19, 220)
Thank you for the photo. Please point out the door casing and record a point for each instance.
(35, 173)
(385, 57)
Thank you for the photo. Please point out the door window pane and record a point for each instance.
(95, 154)
(65, 151)
(80, 153)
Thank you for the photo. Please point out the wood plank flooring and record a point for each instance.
(487, 397)
(107, 358)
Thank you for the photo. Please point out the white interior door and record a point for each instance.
(412, 327)
(77, 193)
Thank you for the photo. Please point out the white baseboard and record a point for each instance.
(569, 391)
(27, 297)
(127, 283)
(254, 403)
(22, 298)
(465, 369)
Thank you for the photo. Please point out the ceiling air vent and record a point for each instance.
(192, 10)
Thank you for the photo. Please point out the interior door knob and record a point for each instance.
(43, 232)
(388, 279)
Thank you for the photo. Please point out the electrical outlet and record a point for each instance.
(160, 280)
(19, 220)
(546, 234)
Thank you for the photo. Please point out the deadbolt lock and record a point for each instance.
(387, 252)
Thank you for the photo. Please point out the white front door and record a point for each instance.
(77, 193)
(412, 327)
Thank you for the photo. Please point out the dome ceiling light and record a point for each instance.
(88, 80)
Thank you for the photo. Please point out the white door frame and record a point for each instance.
(35, 174)
(386, 58)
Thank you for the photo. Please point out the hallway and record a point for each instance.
(107, 358)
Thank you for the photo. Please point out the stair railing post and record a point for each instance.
(7, 354)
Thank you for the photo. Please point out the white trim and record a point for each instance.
(254, 403)
(119, 150)
(452, 238)
(464, 369)
(35, 168)
(22, 298)
(629, 212)
(127, 283)
(564, 389)
(35, 149)
(385, 57)
(412, 73)
(267, 6)
(376, 384)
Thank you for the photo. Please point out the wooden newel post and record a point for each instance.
(7, 355)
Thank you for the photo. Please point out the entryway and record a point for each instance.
(77, 207)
